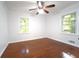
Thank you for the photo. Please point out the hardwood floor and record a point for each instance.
(40, 48)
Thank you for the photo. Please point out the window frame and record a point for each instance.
(75, 15)
(27, 25)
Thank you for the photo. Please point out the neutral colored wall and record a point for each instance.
(54, 26)
(36, 25)
(41, 25)
(3, 27)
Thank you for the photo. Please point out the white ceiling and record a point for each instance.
(60, 5)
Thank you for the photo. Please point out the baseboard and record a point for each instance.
(26, 40)
(3, 50)
(64, 42)
(45, 37)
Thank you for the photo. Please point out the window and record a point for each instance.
(24, 25)
(69, 23)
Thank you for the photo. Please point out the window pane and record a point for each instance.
(24, 25)
(69, 23)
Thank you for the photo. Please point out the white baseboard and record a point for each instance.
(75, 45)
(45, 37)
(3, 50)
(26, 39)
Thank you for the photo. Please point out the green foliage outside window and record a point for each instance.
(69, 23)
(24, 25)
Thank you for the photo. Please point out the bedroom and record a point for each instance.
(41, 26)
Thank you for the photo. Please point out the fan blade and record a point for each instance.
(32, 9)
(46, 11)
(49, 6)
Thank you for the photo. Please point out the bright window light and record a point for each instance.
(67, 55)
(24, 25)
(69, 23)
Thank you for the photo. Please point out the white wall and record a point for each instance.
(36, 25)
(3, 27)
(41, 25)
(54, 26)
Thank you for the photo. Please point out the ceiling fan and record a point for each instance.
(41, 7)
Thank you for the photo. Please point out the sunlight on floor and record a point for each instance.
(68, 55)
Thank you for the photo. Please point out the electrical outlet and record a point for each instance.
(72, 41)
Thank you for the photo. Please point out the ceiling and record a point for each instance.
(60, 5)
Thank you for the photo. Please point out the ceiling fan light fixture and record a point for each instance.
(41, 11)
(42, 8)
